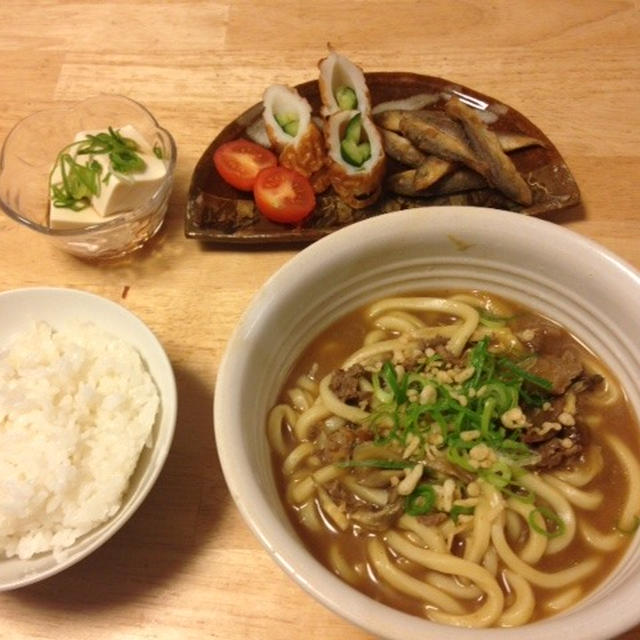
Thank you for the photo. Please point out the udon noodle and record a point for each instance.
(458, 457)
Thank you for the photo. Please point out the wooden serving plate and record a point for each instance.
(219, 213)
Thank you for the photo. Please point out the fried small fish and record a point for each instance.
(430, 171)
(411, 103)
(434, 168)
(435, 137)
(403, 183)
(401, 149)
(516, 141)
(499, 168)
(390, 119)
(509, 141)
(429, 168)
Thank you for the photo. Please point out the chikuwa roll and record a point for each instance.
(342, 86)
(356, 157)
(293, 134)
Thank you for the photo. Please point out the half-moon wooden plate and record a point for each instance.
(219, 213)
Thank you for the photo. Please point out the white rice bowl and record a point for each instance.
(87, 412)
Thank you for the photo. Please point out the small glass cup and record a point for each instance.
(30, 151)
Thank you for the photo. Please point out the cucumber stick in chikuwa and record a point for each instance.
(346, 98)
(289, 122)
(353, 150)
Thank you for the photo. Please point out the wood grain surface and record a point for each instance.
(186, 566)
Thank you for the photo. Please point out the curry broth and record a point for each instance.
(329, 349)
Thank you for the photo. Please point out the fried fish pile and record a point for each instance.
(451, 150)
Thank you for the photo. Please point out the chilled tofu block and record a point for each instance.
(118, 192)
(64, 218)
(121, 193)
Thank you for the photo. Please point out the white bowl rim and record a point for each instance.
(298, 563)
(166, 421)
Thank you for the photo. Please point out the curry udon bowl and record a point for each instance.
(534, 263)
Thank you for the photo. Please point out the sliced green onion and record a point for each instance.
(525, 375)
(551, 516)
(477, 359)
(515, 448)
(421, 501)
(499, 475)
(487, 416)
(414, 412)
(78, 183)
(380, 394)
(126, 161)
(455, 456)
(458, 510)
(383, 413)
(399, 389)
(493, 321)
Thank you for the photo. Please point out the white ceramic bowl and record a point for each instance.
(534, 262)
(55, 306)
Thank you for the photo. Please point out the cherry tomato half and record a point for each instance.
(240, 161)
(283, 195)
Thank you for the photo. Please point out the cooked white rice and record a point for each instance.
(77, 407)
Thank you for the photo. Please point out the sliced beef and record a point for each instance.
(341, 495)
(449, 358)
(560, 370)
(537, 334)
(340, 443)
(378, 519)
(437, 343)
(554, 452)
(534, 435)
(412, 363)
(555, 359)
(433, 519)
(345, 384)
(587, 383)
(538, 416)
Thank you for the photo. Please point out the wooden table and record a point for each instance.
(186, 565)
